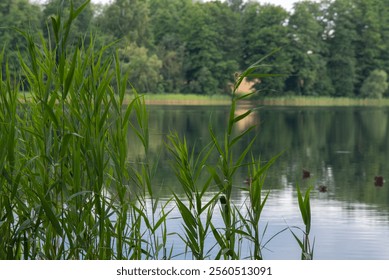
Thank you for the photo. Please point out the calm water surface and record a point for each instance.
(343, 148)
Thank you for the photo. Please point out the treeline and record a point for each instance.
(328, 48)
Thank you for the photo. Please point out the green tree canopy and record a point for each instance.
(264, 29)
(16, 14)
(308, 51)
(342, 60)
(328, 47)
(167, 19)
(128, 20)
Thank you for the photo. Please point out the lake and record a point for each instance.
(344, 148)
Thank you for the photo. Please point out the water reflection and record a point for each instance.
(344, 149)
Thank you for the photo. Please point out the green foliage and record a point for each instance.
(196, 213)
(223, 174)
(144, 69)
(308, 51)
(265, 29)
(305, 210)
(342, 59)
(257, 201)
(80, 24)
(329, 48)
(65, 172)
(167, 25)
(207, 66)
(16, 14)
(129, 20)
(375, 84)
(189, 171)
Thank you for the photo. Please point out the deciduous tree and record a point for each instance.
(308, 51)
(16, 14)
(265, 29)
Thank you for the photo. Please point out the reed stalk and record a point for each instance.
(229, 163)
(66, 179)
(251, 217)
(305, 211)
(197, 214)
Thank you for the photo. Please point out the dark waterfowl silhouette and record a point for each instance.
(378, 181)
(306, 174)
(323, 188)
(248, 181)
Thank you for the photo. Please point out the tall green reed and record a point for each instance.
(148, 205)
(66, 133)
(67, 184)
(227, 166)
(197, 215)
(10, 175)
(253, 208)
(305, 210)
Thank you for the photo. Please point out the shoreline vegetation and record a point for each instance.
(197, 99)
(181, 99)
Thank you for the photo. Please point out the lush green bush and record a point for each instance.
(375, 85)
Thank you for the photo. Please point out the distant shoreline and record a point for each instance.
(180, 99)
(197, 99)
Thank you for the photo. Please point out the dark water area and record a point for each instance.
(344, 149)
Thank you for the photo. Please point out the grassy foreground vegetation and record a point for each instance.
(68, 190)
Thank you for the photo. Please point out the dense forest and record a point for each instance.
(327, 48)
